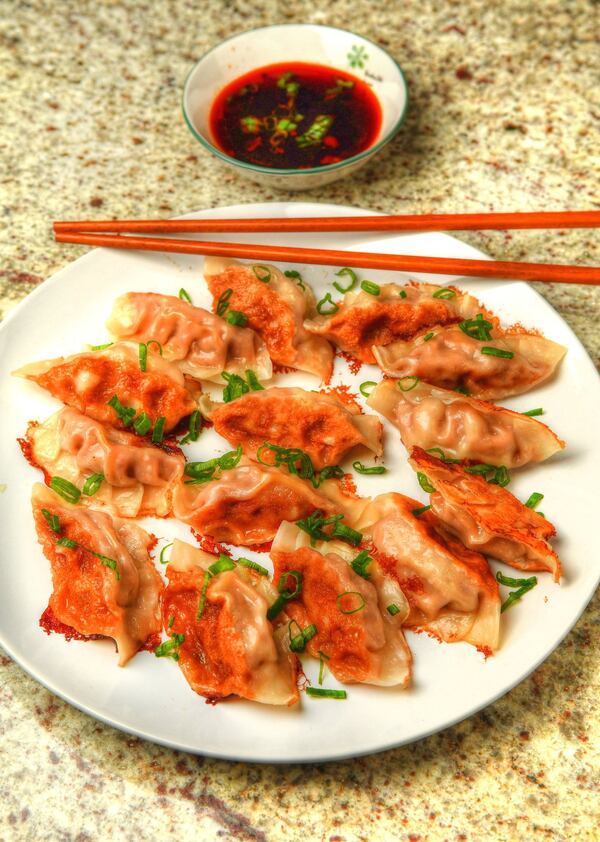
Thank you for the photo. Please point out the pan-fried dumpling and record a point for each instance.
(199, 342)
(275, 307)
(104, 582)
(453, 360)
(362, 640)
(320, 425)
(395, 313)
(488, 518)
(228, 646)
(451, 590)
(88, 381)
(247, 504)
(137, 478)
(462, 427)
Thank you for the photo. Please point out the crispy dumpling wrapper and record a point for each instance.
(115, 596)
(320, 425)
(364, 644)
(396, 313)
(201, 343)
(452, 360)
(232, 648)
(248, 503)
(275, 308)
(488, 518)
(139, 478)
(87, 381)
(462, 427)
(451, 590)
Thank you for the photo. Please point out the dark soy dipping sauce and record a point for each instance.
(295, 116)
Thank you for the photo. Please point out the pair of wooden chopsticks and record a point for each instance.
(122, 235)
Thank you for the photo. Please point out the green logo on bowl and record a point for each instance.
(357, 56)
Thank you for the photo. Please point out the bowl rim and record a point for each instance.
(228, 159)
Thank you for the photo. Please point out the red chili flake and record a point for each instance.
(209, 545)
(331, 141)
(330, 159)
(255, 144)
(343, 393)
(263, 548)
(353, 364)
(50, 623)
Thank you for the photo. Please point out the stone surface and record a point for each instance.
(505, 112)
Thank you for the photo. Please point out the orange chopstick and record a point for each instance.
(554, 273)
(406, 222)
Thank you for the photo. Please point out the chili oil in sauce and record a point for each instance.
(295, 115)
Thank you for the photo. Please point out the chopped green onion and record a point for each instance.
(92, 484)
(263, 273)
(237, 386)
(184, 295)
(534, 499)
(298, 641)
(329, 472)
(253, 565)
(314, 523)
(402, 294)
(363, 469)
(52, 520)
(65, 489)
(198, 470)
(361, 563)
(143, 355)
(368, 384)
(497, 352)
(125, 413)
(224, 563)
(482, 469)
(101, 347)
(155, 342)
(237, 318)
(67, 542)
(171, 621)
(425, 483)
(161, 557)
(442, 455)
(253, 381)
(295, 276)
(370, 287)
(356, 608)
(420, 511)
(230, 459)
(223, 302)
(105, 560)
(462, 390)
(325, 302)
(170, 648)
(282, 585)
(322, 693)
(522, 585)
(428, 336)
(142, 424)
(346, 534)
(444, 293)
(477, 328)
(393, 609)
(158, 431)
(501, 476)
(350, 273)
(309, 632)
(406, 384)
(316, 131)
(533, 412)
(194, 428)
(202, 603)
(322, 658)
(276, 607)
(511, 582)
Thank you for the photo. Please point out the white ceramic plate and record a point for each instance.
(150, 697)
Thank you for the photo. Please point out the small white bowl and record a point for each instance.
(288, 43)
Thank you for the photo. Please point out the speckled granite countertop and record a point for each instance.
(505, 115)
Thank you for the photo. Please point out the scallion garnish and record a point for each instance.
(425, 483)
(322, 693)
(497, 352)
(370, 287)
(298, 641)
(223, 302)
(67, 542)
(363, 469)
(322, 658)
(253, 381)
(346, 534)
(143, 355)
(405, 384)
(393, 609)
(295, 276)
(194, 428)
(368, 384)
(445, 293)
(522, 585)
(92, 484)
(481, 468)
(428, 336)
(350, 273)
(418, 512)
(105, 560)
(230, 459)
(202, 472)
(65, 489)
(221, 565)
(142, 424)
(298, 463)
(499, 473)
(437, 451)
(402, 294)
(171, 621)
(125, 413)
(170, 648)
(353, 608)
(462, 390)
(501, 476)
(263, 273)
(534, 499)
(161, 557)
(285, 594)
(237, 386)
(327, 302)
(477, 328)
(52, 520)
(157, 343)
(533, 412)
(328, 472)
(237, 318)
(253, 565)
(184, 295)
(202, 602)
(158, 431)
(101, 347)
(361, 563)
